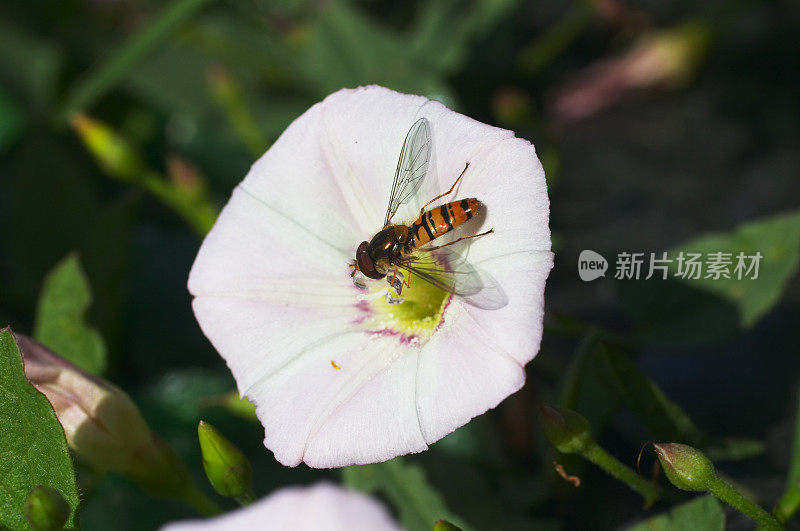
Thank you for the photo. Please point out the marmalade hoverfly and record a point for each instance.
(411, 247)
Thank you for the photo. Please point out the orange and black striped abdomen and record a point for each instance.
(441, 220)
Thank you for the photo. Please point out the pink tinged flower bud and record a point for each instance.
(102, 424)
(666, 59)
(320, 506)
(567, 430)
(46, 509)
(686, 467)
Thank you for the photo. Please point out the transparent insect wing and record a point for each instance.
(450, 271)
(413, 166)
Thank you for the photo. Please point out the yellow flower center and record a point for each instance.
(415, 319)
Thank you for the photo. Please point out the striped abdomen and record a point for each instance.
(441, 220)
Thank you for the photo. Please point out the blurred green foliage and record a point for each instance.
(199, 88)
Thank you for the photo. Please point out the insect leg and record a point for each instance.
(407, 280)
(422, 210)
(459, 239)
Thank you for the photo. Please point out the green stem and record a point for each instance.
(788, 504)
(200, 501)
(732, 497)
(101, 80)
(200, 214)
(228, 94)
(790, 501)
(614, 467)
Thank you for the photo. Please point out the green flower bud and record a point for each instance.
(686, 467)
(46, 509)
(567, 430)
(226, 466)
(444, 525)
(113, 153)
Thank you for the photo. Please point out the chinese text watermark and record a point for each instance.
(683, 265)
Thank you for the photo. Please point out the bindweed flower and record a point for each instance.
(341, 375)
(102, 424)
(320, 506)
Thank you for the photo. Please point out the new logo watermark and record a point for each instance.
(685, 266)
(591, 265)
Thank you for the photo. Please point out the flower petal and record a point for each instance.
(517, 327)
(362, 412)
(510, 182)
(321, 506)
(252, 244)
(368, 152)
(260, 339)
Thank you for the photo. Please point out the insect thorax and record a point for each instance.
(388, 245)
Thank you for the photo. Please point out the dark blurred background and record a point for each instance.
(658, 123)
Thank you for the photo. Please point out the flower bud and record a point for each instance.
(567, 430)
(46, 509)
(664, 59)
(444, 525)
(113, 152)
(686, 467)
(102, 424)
(226, 466)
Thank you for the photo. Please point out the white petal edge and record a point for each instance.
(320, 506)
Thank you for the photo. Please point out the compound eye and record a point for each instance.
(365, 263)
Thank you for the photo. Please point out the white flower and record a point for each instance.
(321, 506)
(338, 378)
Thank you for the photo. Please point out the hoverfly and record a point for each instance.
(411, 248)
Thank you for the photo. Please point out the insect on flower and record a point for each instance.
(412, 247)
(352, 369)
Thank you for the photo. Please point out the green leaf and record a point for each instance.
(665, 419)
(405, 485)
(346, 49)
(444, 30)
(33, 449)
(60, 314)
(700, 514)
(777, 238)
